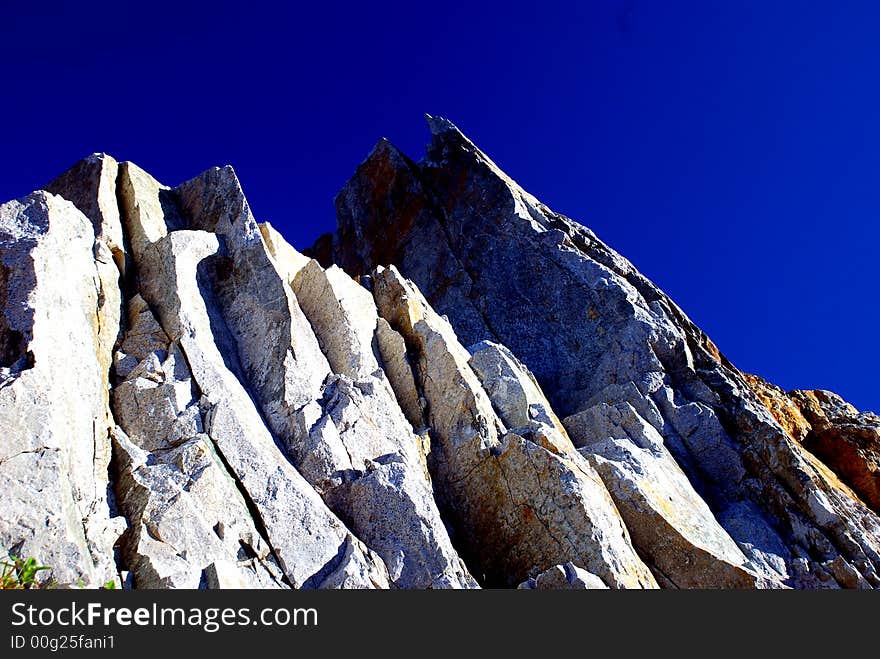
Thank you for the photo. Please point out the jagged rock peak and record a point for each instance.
(439, 125)
(644, 395)
(459, 388)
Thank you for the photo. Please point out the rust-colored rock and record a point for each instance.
(785, 410)
(846, 440)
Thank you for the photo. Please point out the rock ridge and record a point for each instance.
(459, 388)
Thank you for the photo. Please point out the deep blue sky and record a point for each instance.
(731, 150)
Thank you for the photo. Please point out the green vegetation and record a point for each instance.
(20, 573)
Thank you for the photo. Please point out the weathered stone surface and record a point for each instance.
(312, 546)
(184, 508)
(371, 475)
(287, 260)
(186, 515)
(846, 440)
(143, 336)
(786, 412)
(224, 575)
(846, 574)
(564, 577)
(671, 526)
(54, 362)
(344, 317)
(276, 423)
(148, 208)
(90, 185)
(504, 267)
(280, 358)
(328, 327)
(380, 486)
(391, 506)
(516, 508)
(156, 404)
(399, 370)
(517, 397)
(221, 301)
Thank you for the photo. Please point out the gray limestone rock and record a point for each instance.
(278, 353)
(148, 209)
(515, 506)
(517, 397)
(312, 546)
(564, 577)
(316, 345)
(670, 524)
(185, 510)
(399, 371)
(378, 483)
(54, 370)
(503, 267)
(283, 422)
(178, 278)
(186, 514)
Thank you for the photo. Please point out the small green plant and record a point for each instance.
(20, 573)
(110, 585)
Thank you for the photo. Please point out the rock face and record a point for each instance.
(54, 407)
(515, 506)
(846, 440)
(172, 483)
(713, 489)
(459, 388)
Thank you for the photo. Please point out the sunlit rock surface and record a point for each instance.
(459, 388)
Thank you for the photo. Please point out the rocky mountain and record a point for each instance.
(459, 388)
